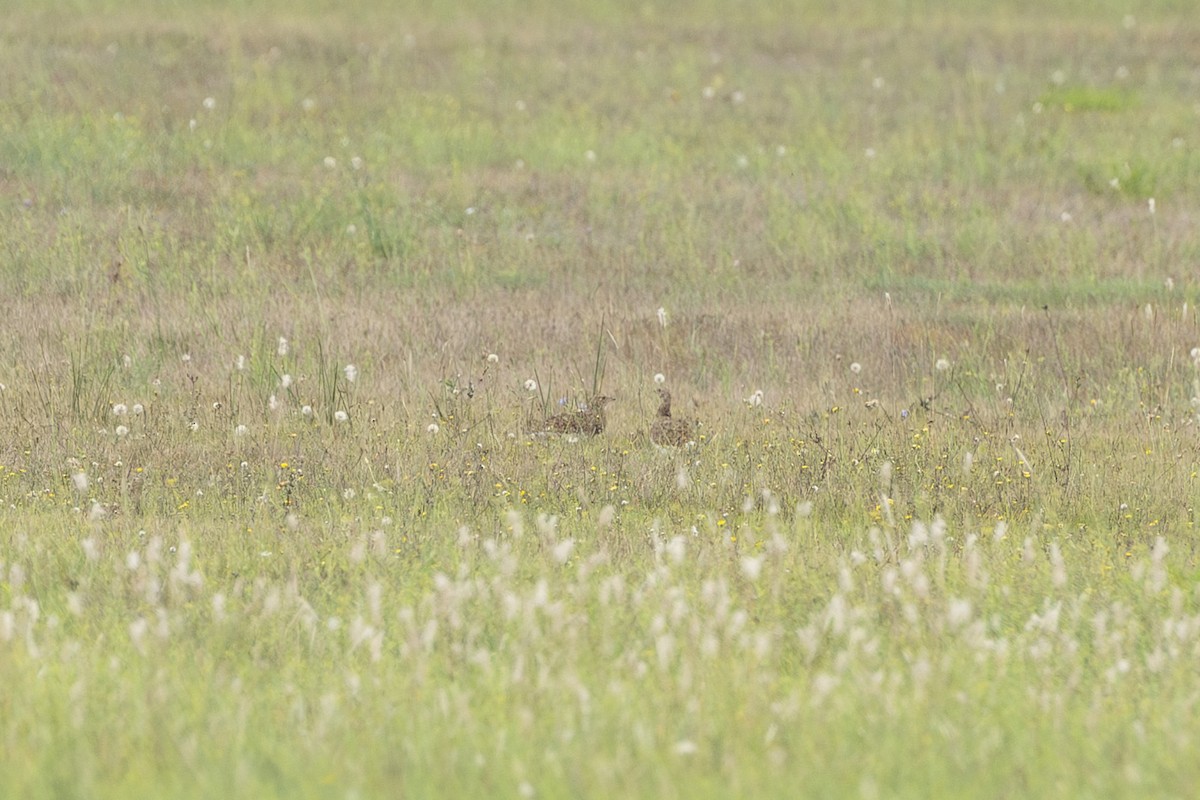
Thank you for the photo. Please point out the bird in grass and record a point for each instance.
(586, 421)
(668, 431)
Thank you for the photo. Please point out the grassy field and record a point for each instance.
(286, 289)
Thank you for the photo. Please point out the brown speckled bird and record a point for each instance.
(668, 431)
(586, 421)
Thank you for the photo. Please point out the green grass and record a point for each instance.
(953, 552)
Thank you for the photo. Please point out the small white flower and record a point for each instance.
(282, 347)
(659, 378)
(351, 373)
(330, 162)
(493, 358)
(273, 403)
(340, 415)
(119, 410)
(855, 367)
(240, 363)
(121, 430)
(941, 365)
(210, 103)
(531, 385)
(433, 428)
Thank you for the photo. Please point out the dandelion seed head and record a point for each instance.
(1151, 205)
(356, 162)
(209, 103)
(119, 410)
(351, 372)
(282, 347)
(659, 378)
(240, 430)
(590, 156)
(855, 367)
(330, 162)
(138, 409)
(80, 479)
(531, 385)
(340, 416)
(942, 364)
(308, 104)
(306, 410)
(492, 358)
(273, 403)
(285, 381)
(752, 567)
(433, 428)
(240, 363)
(563, 550)
(121, 430)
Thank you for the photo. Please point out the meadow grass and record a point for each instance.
(289, 288)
